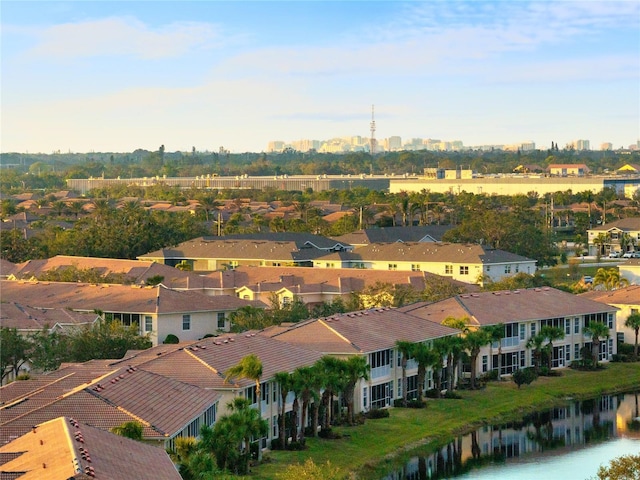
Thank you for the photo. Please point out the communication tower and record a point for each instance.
(372, 140)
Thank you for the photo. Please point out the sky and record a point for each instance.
(111, 76)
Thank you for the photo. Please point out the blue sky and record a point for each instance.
(86, 76)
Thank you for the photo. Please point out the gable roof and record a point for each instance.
(624, 224)
(217, 247)
(428, 252)
(395, 234)
(339, 279)
(7, 268)
(116, 298)
(62, 448)
(26, 318)
(204, 363)
(629, 295)
(509, 306)
(134, 271)
(105, 394)
(361, 332)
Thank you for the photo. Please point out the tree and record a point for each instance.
(598, 331)
(624, 467)
(249, 367)
(50, 349)
(609, 278)
(132, 430)
(285, 382)
(405, 349)
(103, 340)
(248, 424)
(536, 344)
(496, 334)
(633, 322)
(474, 341)
(14, 351)
(309, 384)
(355, 368)
(425, 357)
(551, 334)
(524, 376)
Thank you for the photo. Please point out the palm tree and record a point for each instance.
(474, 341)
(496, 334)
(601, 241)
(248, 425)
(355, 368)
(551, 334)
(307, 381)
(633, 322)
(405, 349)
(249, 367)
(284, 380)
(536, 343)
(424, 356)
(609, 278)
(598, 331)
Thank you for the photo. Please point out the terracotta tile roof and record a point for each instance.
(63, 448)
(343, 279)
(490, 308)
(203, 363)
(135, 271)
(22, 317)
(363, 331)
(105, 396)
(622, 296)
(115, 298)
(7, 268)
(428, 252)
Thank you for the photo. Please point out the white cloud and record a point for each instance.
(125, 36)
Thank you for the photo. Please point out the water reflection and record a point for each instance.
(551, 432)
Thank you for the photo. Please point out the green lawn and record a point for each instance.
(372, 448)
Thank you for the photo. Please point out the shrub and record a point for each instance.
(23, 376)
(378, 413)
(171, 339)
(451, 394)
(415, 403)
(432, 393)
(524, 376)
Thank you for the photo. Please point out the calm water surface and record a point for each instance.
(566, 443)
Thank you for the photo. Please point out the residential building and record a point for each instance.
(156, 310)
(269, 249)
(618, 236)
(523, 313)
(631, 271)
(468, 263)
(137, 272)
(63, 448)
(419, 233)
(568, 169)
(106, 394)
(626, 300)
(373, 334)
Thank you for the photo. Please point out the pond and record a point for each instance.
(568, 442)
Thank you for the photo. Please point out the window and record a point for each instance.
(576, 325)
(464, 270)
(576, 351)
(567, 326)
(448, 269)
(221, 320)
(148, 323)
(264, 393)
(523, 330)
(610, 321)
(488, 268)
(507, 269)
(415, 267)
(393, 266)
(210, 415)
(485, 363)
(533, 329)
(286, 300)
(245, 297)
(274, 422)
(364, 398)
(186, 322)
(517, 268)
(567, 353)
(250, 394)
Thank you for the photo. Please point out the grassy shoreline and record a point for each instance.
(371, 449)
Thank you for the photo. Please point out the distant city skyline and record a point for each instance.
(108, 76)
